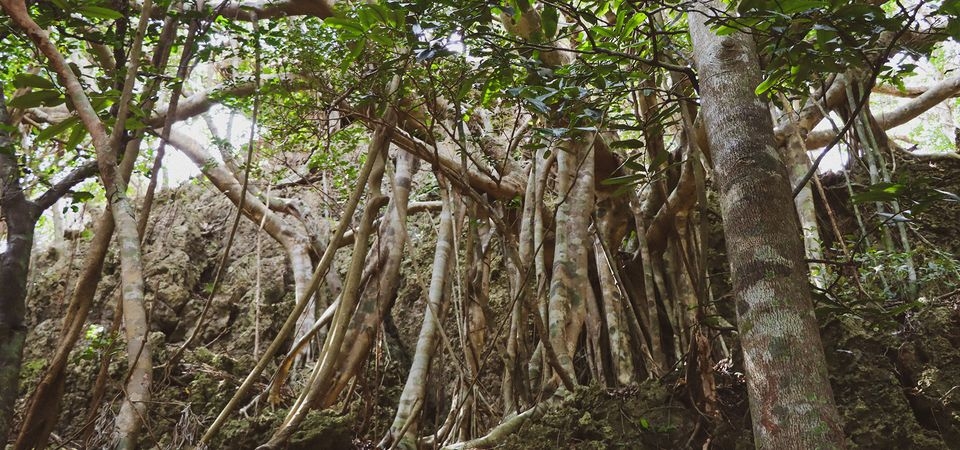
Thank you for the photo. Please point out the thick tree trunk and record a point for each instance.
(569, 285)
(791, 402)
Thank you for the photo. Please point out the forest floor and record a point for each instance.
(894, 364)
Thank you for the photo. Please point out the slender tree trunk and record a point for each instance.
(324, 370)
(405, 423)
(615, 317)
(133, 410)
(381, 278)
(791, 402)
(14, 265)
(798, 164)
(43, 409)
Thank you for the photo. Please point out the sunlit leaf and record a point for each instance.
(766, 84)
(880, 192)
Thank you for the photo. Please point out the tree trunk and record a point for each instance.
(795, 157)
(14, 264)
(381, 279)
(791, 402)
(134, 407)
(43, 409)
(403, 432)
(568, 287)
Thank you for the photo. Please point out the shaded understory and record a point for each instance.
(895, 370)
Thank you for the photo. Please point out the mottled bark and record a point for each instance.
(324, 370)
(133, 409)
(646, 302)
(794, 154)
(381, 278)
(295, 242)
(43, 409)
(791, 402)
(568, 287)
(900, 115)
(522, 283)
(373, 164)
(612, 296)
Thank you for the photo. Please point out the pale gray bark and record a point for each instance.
(902, 114)
(794, 154)
(405, 423)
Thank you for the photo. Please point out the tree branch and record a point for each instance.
(201, 102)
(907, 92)
(58, 190)
(267, 9)
(902, 114)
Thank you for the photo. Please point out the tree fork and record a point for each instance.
(138, 389)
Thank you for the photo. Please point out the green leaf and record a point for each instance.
(134, 123)
(30, 80)
(348, 26)
(633, 23)
(825, 35)
(552, 132)
(356, 50)
(36, 98)
(80, 196)
(724, 30)
(99, 12)
(627, 143)
(767, 84)
(56, 129)
(904, 308)
(538, 105)
(549, 19)
(880, 192)
(796, 6)
(382, 13)
(76, 136)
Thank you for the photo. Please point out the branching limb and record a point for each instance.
(904, 113)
